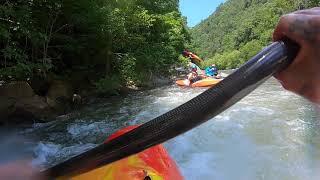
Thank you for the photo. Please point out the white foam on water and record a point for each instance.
(46, 153)
(232, 156)
(79, 131)
(199, 166)
(205, 153)
(76, 129)
(230, 147)
(143, 116)
(253, 109)
(162, 104)
(43, 151)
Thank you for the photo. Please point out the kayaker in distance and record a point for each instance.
(195, 74)
(212, 71)
(198, 78)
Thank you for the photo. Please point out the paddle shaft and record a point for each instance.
(210, 103)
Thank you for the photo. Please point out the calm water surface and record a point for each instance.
(271, 134)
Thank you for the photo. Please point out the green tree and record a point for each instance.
(117, 40)
(240, 27)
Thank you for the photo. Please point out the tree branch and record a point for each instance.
(7, 20)
(61, 28)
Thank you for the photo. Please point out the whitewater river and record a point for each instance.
(271, 134)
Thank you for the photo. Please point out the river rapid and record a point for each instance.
(270, 134)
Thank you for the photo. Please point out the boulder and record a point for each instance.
(17, 90)
(39, 85)
(32, 109)
(160, 81)
(19, 103)
(7, 107)
(59, 95)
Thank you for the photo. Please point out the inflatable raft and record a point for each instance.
(151, 164)
(207, 82)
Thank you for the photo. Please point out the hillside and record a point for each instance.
(240, 28)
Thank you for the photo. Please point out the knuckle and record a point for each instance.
(286, 86)
(284, 17)
(316, 8)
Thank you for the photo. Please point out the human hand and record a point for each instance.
(303, 75)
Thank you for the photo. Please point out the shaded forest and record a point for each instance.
(106, 44)
(238, 29)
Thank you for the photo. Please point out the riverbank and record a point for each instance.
(42, 100)
(29, 102)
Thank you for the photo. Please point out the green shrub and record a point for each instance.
(228, 60)
(127, 68)
(22, 71)
(236, 58)
(249, 50)
(182, 60)
(108, 85)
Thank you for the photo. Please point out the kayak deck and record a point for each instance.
(153, 163)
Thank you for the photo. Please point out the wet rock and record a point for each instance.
(68, 116)
(19, 104)
(7, 107)
(59, 96)
(31, 109)
(158, 81)
(39, 85)
(154, 81)
(18, 89)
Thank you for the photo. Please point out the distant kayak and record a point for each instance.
(207, 82)
(153, 163)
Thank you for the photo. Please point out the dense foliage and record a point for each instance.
(116, 41)
(240, 28)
